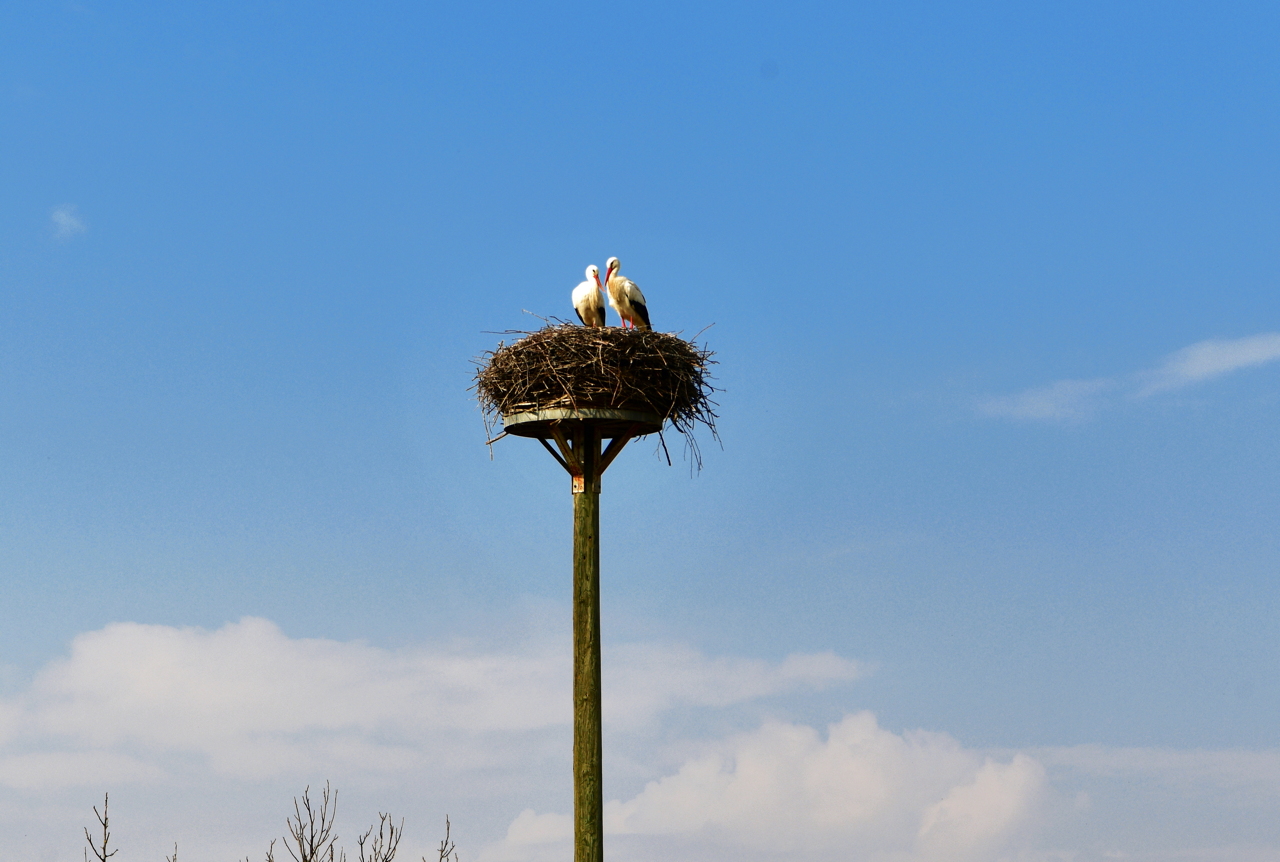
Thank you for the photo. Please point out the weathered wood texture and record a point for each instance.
(588, 798)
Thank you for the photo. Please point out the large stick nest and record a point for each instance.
(568, 366)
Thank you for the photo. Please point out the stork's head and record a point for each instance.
(593, 273)
(611, 266)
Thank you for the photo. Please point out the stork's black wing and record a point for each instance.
(642, 312)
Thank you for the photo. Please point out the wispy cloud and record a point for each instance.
(1206, 360)
(1064, 400)
(1068, 400)
(67, 221)
(647, 679)
(1256, 773)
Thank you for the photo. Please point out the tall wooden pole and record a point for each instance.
(588, 798)
(585, 462)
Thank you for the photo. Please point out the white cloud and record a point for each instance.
(67, 222)
(979, 818)
(783, 791)
(254, 703)
(1078, 399)
(530, 827)
(203, 736)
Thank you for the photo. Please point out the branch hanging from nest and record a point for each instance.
(578, 367)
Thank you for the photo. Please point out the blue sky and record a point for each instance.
(994, 295)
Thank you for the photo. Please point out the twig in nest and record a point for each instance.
(568, 366)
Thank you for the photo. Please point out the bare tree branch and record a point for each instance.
(383, 846)
(101, 853)
(311, 837)
(447, 848)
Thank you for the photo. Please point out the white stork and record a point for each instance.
(587, 300)
(625, 297)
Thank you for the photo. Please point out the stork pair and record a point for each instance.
(624, 296)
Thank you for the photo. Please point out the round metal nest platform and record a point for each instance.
(607, 421)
